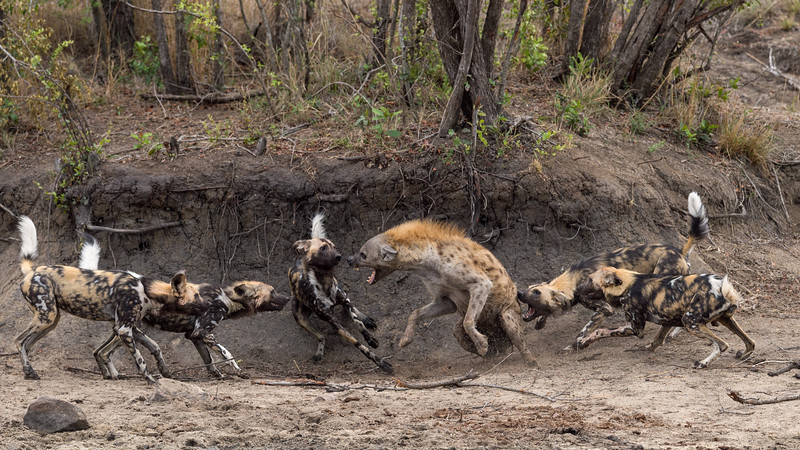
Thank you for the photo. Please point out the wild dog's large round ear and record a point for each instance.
(301, 247)
(560, 299)
(608, 277)
(179, 283)
(388, 253)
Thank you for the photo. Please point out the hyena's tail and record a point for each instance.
(317, 229)
(90, 253)
(28, 251)
(698, 227)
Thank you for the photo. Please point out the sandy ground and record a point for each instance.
(611, 395)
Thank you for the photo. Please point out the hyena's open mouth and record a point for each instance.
(371, 279)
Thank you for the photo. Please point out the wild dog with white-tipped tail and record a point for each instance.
(560, 294)
(315, 290)
(689, 301)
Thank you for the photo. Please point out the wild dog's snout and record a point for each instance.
(279, 300)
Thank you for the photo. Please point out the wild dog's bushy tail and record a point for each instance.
(28, 251)
(698, 227)
(90, 253)
(317, 229)
(727, 290)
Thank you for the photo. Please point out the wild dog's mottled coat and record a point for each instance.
(105, 295)
(197, 318)
(559, 294)
(315, 290)
(461, 276)
(690, 301)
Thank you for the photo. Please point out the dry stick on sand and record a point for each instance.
(402, 385)
(794, 365)
(757, 401)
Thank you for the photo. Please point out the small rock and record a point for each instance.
(168, 389)
(49, 415)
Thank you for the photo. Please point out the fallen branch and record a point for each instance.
(434, 384)
(756, 401)
(506, 388)
(332, 387)
(771, 68)
(5, 208)
(794, 365)
(212, 99)
(161, 226)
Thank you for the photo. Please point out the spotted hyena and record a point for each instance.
(461, 276)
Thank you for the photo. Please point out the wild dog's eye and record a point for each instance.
(537, 292)
(324, 248)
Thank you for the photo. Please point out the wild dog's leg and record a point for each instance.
(380, 362)
(211, 342)
(155, 350)
(126, 335)
(602, 311)
(361, 320)
(702, 331)
(302, 315)
(202, 349)
(102, 355)
(439, 307)
(46, 317)
(477, 300)
(512, 325)
(663, 332)
(731, 324)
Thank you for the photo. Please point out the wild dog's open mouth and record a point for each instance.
(528, 315)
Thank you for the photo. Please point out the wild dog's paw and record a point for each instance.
(369, 323)
(371, 341)
(244, 375)
(699, 365)
(741, 354)
(317, 358)
(385, 366)
(572, 348)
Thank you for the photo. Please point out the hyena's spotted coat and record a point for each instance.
(461, 276)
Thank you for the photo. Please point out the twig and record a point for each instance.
(213, 99)
(506, 388)
(9, 354)
(4, 208)
(774, 70)
(91, 227)
(794, 365)
(780, 194)
(757, 401)
(435, 384)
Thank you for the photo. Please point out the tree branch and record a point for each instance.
(91, 227)
(756, 401)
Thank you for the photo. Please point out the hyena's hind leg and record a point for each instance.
(43, 322)
(512, 325)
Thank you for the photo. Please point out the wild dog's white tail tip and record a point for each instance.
(727, 290)
(90, 254)
(696, 208)
(27, 234)
(317, 229)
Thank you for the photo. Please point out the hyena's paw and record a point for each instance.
(481, 344)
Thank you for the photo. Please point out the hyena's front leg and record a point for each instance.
(439, 307)
(477, 300)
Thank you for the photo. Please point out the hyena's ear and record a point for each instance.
(301, 247)
(387, 253)
(179, 283)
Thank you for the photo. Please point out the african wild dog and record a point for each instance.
(560, 295)
(461, 276)
(315, 290)
(197, 318)
(106, 295)
(689, 301)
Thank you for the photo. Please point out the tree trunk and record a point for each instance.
(469, 26)
(101, 30)
(164, 61)
(572, 44)
(379, 36)
(595, 29)
(408, 34)
(183, 58)
(121, 28)
(219, 51)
